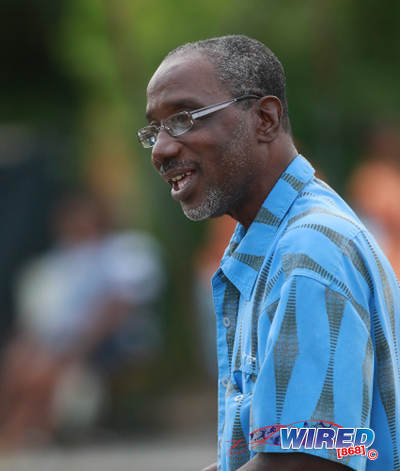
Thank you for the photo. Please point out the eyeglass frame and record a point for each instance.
(193, 115)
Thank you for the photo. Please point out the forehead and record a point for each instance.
(181, 81)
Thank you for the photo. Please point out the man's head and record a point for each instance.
(217, 164)
(243, 66)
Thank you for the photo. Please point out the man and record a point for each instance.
(307, 305)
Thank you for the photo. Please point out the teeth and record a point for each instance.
(179, 177)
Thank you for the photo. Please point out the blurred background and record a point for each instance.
(106, 325)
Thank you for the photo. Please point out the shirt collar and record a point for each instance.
(246, 251)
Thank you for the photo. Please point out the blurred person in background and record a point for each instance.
(84, 308)
(307, 305)
(374, 187)
(27, 187)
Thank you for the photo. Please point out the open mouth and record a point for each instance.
(181, 184)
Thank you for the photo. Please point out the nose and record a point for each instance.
(166, 147)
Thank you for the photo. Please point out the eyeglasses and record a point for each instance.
(179, 123)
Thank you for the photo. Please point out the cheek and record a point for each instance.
(235, 157)
(223, 161)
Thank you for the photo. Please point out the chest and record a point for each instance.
(246, 329)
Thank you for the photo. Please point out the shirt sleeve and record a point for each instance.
(316, 366)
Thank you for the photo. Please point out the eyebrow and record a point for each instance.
(181, 105)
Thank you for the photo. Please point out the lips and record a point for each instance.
(176, 181)
(183, 184)
(182, 179)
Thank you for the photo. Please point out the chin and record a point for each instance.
(194, 215)
(213, 206)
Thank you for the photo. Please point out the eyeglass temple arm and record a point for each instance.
(220, 106)
(211, 109)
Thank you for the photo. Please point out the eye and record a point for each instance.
(179, 123)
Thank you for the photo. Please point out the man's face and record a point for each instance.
(209, 167)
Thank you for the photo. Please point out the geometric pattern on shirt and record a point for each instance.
(367, 370)
(253, 261)
(386, 384)
(242, 455)
(318, 210)
(388, 295)
(335, 303)
(381, 354)
(385, 364)
(238, 360)
(294, 182)
(293, 261)
(264, 216)
(286, 350)
(229, 309)
(386, 368)
(346, 245)
(325, 408)
(256, 309)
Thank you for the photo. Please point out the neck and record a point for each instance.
(272, 166)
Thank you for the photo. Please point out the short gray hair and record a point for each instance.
(244, 65)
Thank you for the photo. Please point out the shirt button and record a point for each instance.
(227, 321)
(225, 382)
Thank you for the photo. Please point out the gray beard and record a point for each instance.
(210, 207)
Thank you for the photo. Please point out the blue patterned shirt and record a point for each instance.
(308, 322)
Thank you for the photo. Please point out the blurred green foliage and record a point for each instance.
(79, 68)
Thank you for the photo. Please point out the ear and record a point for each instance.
(269, 118)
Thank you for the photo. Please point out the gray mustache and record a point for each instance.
(172, 164)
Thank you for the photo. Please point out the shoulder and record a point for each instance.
(322, 237)
(319, 205)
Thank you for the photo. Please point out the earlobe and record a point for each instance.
(269, 118)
